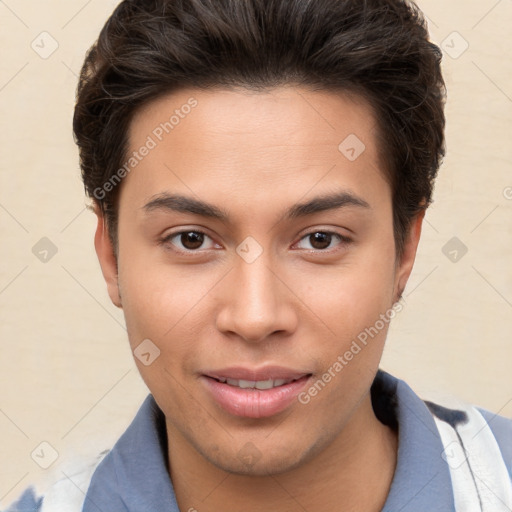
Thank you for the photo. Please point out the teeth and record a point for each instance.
(252, 384)
(266, 384)
(244, 384)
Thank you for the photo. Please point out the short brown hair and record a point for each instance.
(378, 49)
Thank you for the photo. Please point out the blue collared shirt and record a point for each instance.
(134, 477)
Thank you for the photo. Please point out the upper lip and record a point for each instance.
(257, 374)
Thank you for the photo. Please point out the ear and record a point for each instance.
(406, 262)
(107, 259)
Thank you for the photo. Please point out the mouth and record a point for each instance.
(254, 393)
(256, 384)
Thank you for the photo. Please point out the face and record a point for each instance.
(255, 248)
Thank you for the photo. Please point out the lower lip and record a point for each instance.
(254, 403)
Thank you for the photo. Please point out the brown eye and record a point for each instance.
(188, 241)
(320, 240)
(192, 239)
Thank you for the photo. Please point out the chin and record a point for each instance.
(250, 461)
(265, 466)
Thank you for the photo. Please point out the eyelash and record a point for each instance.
(343, 241)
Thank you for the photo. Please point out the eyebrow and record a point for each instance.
(184, 204)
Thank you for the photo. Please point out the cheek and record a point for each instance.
(170, 306)
(155, 296)
(159, 303)
(354, 305)
(158, 307)
(354, 295)
(356, 310)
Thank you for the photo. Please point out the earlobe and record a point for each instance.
(409, 255)
(107, 259)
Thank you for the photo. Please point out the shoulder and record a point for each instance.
(501, 428)
(70, 491)
(67, 494)
(480, 423)
(28, 502)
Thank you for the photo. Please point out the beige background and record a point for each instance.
(66, 374)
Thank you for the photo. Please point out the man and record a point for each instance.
(260, 170)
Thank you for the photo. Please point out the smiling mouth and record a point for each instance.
(257, 384)
(261, 398)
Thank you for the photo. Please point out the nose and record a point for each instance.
(256, 303)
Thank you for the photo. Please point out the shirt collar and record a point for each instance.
(134, 475)
(422, 479)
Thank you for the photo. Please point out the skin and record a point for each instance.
(298, 305)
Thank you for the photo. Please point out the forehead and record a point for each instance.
(261, 144)
(300, 117)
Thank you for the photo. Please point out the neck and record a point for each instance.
(353, 473)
